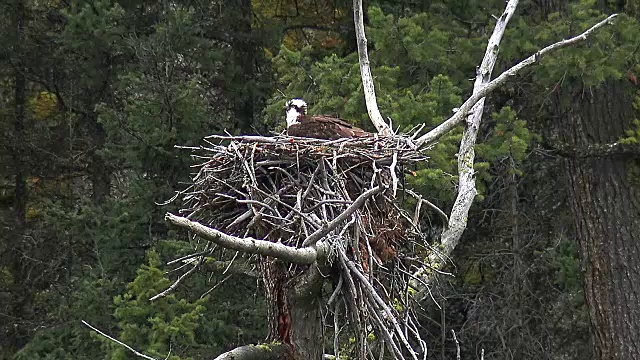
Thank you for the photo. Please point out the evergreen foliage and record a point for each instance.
(112, 86)
(166, 326)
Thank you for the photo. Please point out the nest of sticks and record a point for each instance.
(299, 191)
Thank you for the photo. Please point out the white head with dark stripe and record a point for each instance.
(295, 108)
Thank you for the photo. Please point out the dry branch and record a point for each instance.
(466, 155)
(306, 255)
(358, 203)
(257, 352)
(175, 283)
(464, 110)
(473, 113)
(365, 72)
(134, 351)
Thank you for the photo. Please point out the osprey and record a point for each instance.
(319, 126)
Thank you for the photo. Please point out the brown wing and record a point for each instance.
(325, 127)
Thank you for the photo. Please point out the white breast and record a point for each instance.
(292, 117)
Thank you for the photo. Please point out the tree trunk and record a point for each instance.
(99, 171)
(21, 297)
(294, 309)
(306, 320)
(604, 196)
(20, 192)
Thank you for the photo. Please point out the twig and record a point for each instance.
(428, 203)
(187, 257)
(457, 344)
(137, 353)
(336, 291)
(216, 286)
(178, 280)
(394, 177)
(261, 139)
(375, 297)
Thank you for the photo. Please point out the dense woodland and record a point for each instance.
(95, 95)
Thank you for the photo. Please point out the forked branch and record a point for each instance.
(467, 183)
(472, 110)
(464, 110)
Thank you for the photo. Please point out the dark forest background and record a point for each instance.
(95, 94)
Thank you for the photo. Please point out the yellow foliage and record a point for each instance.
(329, 42)
(289, 41)
(268, 53)
(5, 276)
(33, 180)
(32, 213)
(43, 105)
(476, 274)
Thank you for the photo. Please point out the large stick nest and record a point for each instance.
(283, 189)
(288, 190)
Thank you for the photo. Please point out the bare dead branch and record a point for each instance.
(326, 228)
(257, 352)
(365, 72)
(137, 353)
(381, 311)
(453, 332)
(421, 200)
(466, 185)
(230, 268)
(178, 280)
(464, 110)
(307, 255)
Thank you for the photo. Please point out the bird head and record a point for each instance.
(295, 108)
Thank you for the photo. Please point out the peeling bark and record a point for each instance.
(294, 309)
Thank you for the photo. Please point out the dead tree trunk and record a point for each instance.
(604, 196)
